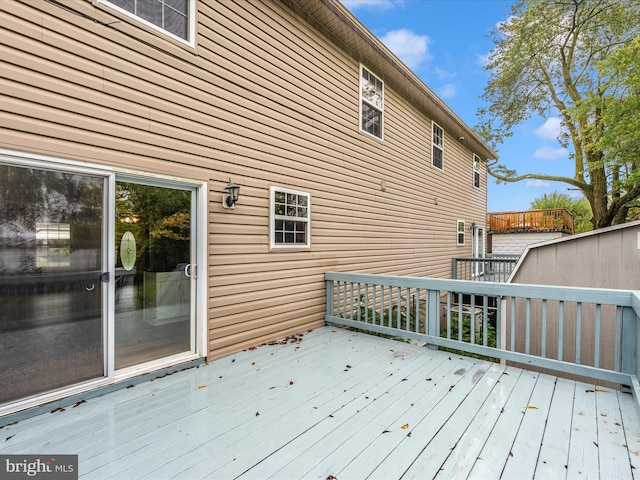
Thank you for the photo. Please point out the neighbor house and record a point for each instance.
(125, 128)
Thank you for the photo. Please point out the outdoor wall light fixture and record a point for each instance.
(472, 228)
(230, 198)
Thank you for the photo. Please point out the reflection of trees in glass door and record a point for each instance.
(51, 258)
(153, 273)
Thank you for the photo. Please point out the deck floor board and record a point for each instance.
(333, 402)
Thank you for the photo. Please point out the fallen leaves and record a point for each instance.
(201, 387)
(530, 407)
(9, 437)
(405, 426)
(59, 409)
(79, 403)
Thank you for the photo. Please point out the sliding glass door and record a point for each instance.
(97, 277)
(51, 261)
(154, 275)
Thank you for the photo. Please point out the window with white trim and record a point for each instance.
(290, 212)
(460, 236)
(175, 18)
(476, 171)
(371, 103)
(437, 155)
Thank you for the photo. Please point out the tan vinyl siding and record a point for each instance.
(266, 100)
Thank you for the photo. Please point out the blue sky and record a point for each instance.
(445, 42)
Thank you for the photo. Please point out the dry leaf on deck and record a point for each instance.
(531, 407)
(405, 426)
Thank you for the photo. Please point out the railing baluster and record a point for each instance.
(527, 333)
(417, 310)
(543, 346)
(618, 343)
(596, 355)
(485, 320)
(578, 330)
(351, 300)
(407, 323)
(472, 318)
(560, 328)
(460, 317)
(399, 307)
(448, 314)
(513, 324)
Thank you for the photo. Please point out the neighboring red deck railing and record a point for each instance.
(557, 219)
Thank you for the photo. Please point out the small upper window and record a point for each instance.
(460, 239)
(173, 17)
(437, 157)
(290, 218)
(371, 103)
(476, 171)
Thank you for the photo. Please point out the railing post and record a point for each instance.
(629, 354)
(433, 315)
(329, 298)
(454, 268)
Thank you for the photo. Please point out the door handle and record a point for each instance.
(187, 270)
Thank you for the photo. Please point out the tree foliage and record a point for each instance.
(580, 209)
(577, 59)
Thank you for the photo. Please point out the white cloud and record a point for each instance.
(537, 184)
(550, 130)
(370, 4)
(411, 48)
(447, 91)
(548, 153)
(483, 59)
(444, 75)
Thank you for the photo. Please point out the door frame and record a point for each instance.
(199, 254)
(478, 234)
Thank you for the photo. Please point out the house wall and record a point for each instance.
(263, 99)
(515, 243)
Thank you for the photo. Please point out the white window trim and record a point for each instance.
(272, 220)
(381, 137)
(479, 238)
(190, 41)
(476, 170)
(458, 232)
(434, 144)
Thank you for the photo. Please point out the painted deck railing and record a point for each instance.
(493, 268)
(588, 332)
(554, 219)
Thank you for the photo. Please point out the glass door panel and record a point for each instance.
(51, 257)
(153, 286)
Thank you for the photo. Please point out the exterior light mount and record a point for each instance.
(230, 198)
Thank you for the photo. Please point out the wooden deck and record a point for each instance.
(332, 403)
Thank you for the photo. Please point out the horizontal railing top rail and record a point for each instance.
(579, 331)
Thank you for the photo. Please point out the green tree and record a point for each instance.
(574, 59)
(580, 209)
